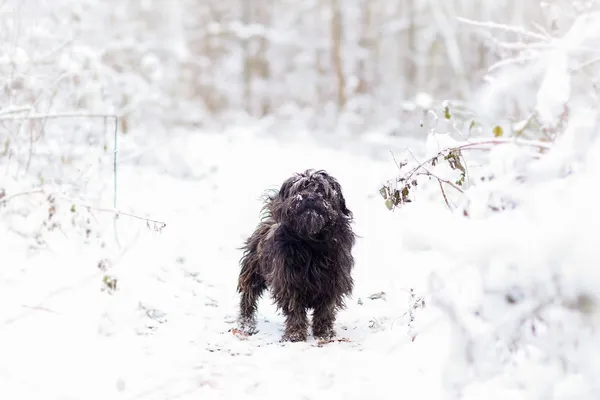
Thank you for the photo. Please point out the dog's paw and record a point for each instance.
(247, 327)
(250, 330)
(294, 336)
(324, 334)
(323, 342)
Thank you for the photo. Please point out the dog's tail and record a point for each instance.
(250, 270)
(250, 274)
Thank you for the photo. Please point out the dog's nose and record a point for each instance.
(310, 198)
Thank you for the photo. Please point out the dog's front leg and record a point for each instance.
(296, 324)
(323, 321)
(286, 290)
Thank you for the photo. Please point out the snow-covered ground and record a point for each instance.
(165, 333)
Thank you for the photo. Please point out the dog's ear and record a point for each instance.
(275, 199)
(284, 190)
(343, 207)
(335, 185)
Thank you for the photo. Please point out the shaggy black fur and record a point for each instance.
(302, 251)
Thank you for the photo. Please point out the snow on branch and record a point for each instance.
(504, 27)
(34, 116)
(520, 293)
(51, 195)
(453, 157)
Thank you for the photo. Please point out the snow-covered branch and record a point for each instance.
(526, 259)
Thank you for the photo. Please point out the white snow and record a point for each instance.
(555, 89)
(497, 302)
(63, 337)
(165, 332)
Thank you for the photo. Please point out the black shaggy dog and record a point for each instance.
(302, 251)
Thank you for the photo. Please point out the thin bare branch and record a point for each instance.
(14, 110)
(6, 199)
(114, 211)
(55, 116)
(473, 145)
(504, 27)
(158, 224)
(161, 224)
(444, 194)
(447, 182)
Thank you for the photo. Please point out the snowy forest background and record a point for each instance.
(490, 216)
(359, 64)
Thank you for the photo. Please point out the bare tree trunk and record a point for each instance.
(376, 17)
(336, 53)
(321, 72)
(411, 59)
(199, 74)
(215, 47)
(320, 60)
(365, 43)
(262, 62)
(246, 18)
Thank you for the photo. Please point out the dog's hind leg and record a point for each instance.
(251, 286)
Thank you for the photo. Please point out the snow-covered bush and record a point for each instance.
(62, 97)
(520, 288)
(48, 137)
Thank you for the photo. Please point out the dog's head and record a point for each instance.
(310, 202)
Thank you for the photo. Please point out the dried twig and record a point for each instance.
(444, 194)
(35, 116)
(441, 180)
(6, 199)
(473, 146)
(158, 225)
(508, 28)
(429, 173)
(14, 110)
(453, 155)
(396, 161)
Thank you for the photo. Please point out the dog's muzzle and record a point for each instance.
(310, 214)
(310, 202)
